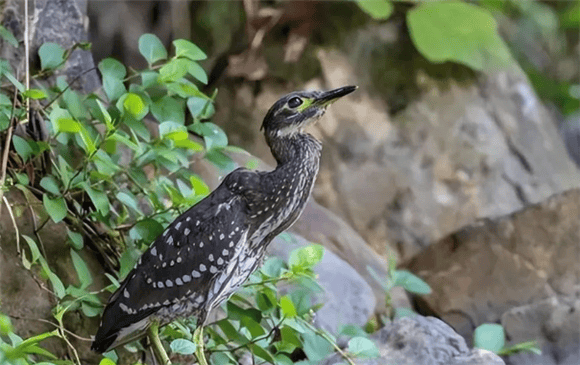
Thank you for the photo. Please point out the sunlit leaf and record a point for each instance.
(172, 130)
(62, 121)
(287, 307)
(470, 38)
(35, 94)
(306, 257)
(377, 9)
(184, 48)
(174, 70)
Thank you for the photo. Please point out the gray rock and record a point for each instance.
(347, 298)
(422, 341)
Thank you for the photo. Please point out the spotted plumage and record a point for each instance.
(211, 249)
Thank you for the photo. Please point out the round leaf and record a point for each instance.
(133, 104)
(377, 9)
(182, 346)
(51, 55)
(168, 109)
(362, 347)
(489, 336)
(459, 32)
(174, 70)
(151, 48)
(306, 257)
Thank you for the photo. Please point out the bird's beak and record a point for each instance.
(329, 97)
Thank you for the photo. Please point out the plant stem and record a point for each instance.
(199, 351)
(158, 349)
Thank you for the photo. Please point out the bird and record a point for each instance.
(207, 253)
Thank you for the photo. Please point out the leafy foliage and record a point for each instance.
(110, 167)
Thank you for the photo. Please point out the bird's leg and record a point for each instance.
(199, 351)
(158, 350)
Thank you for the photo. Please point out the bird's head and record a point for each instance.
(296, 110)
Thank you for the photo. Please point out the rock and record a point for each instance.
(524, 263)
(25, 296)
(346, 296)
(570, 130)
(554, 323)
(422, 340)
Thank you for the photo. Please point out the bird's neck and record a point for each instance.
(300, 149)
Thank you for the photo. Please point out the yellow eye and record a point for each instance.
(294, 102)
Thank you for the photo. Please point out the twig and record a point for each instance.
(14, 223)
(7, 149)
(53, 324)
(68, 86)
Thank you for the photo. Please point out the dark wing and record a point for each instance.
(180, 264)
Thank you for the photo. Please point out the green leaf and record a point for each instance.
(411, 282)
(34, 251)
(174, 70)
(213, 135)
(35, 94)
(49, 184)
(149, 78)
(168, 109)
(184, 48)
(98, 198)
(133, 104)
(129, 200)
(377, 9)
(22, 147)
(189, 144)
(147, 230)
(62, 121)
(106, 361)
(197, 71)
(316, 347)
(105, 115)
(262, 353)
(489, 336)
(82, 270)
(200, 108)
(351, 330)
(5, 324)
(306, 257)
(76, 239)
(273, 267)
(112, 67)
(182, 346)
(173, 131)
(113, 73)
(198, 185)
(151, 48)
(87, 140)
(56, 285)
(8, 36)
(56, 208)
(459, 32)
(287, 307)
(51, 55)
(363, 347)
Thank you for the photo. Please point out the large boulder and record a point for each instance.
(521, 269)
(422, 341)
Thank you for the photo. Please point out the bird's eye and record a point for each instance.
(294, 102)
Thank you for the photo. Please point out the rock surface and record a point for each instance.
(521, 269)
(422, 341)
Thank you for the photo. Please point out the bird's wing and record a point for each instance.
(182, 262)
